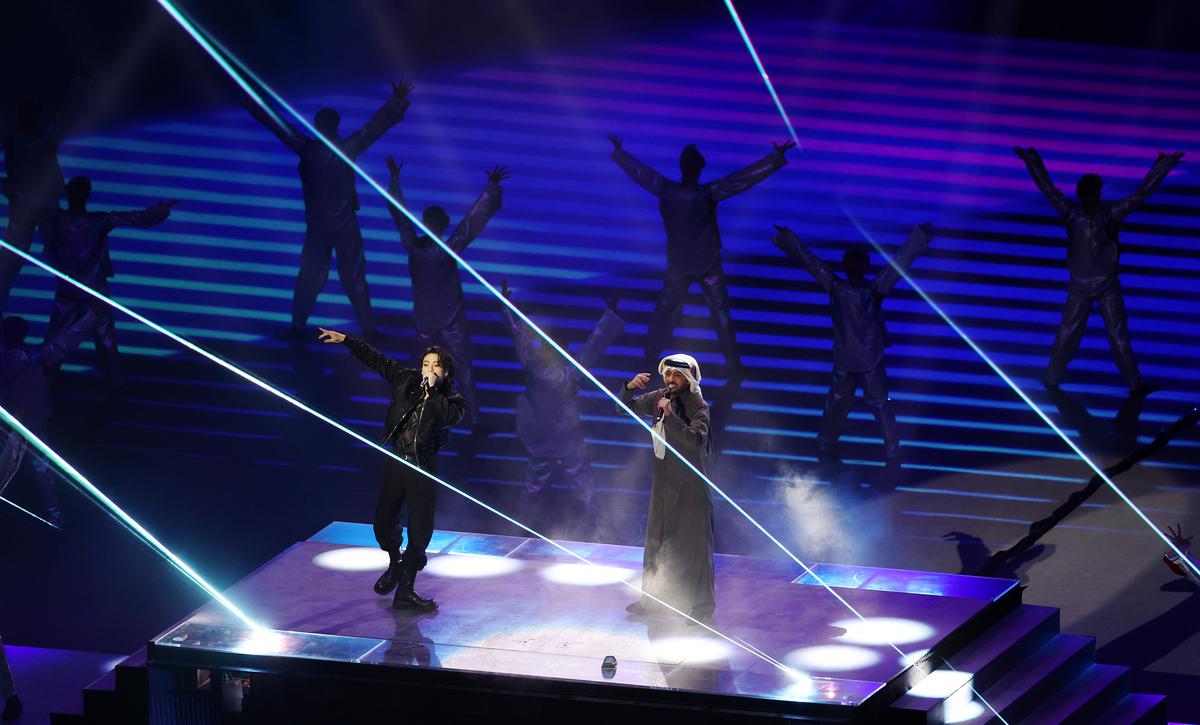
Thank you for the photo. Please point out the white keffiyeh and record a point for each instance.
(687, 366)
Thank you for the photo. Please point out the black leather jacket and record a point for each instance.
(442, 409)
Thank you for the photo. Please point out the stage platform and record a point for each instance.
(527, 626)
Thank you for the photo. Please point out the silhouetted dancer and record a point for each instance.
(548, 420)
(859, 335)
(35, 179)
(689, 213)
(331, 203)
(438, 309)
(677, 562)
(78, 246)
(1093, 258)
(25, 393)
(424, 408)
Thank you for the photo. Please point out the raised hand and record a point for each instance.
(393, 167)
(783, 149)
(783, 232)
(402, 88)
(504, 290)
(498, 174)
(926, 229)
(639, 382)
(1171, 157)
(1027, 154)
(616, 141)
(1177, 538)
(612, 300)
(330, 337)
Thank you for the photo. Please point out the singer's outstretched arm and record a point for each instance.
(643, 404)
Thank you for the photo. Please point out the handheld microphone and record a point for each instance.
(659, 416)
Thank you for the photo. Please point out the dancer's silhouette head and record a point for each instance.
(15, 330)
(78, 190)
(436, 218)
(1088, 191)
(691, 162)
(855, 262)
(327, 121)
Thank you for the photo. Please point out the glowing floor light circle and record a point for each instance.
(353, 558)
(831, 658)
(913, 657)
(884, 630)
(695, 650)
(261, 642)
(802, 689)
(471, 566)
(584, 575)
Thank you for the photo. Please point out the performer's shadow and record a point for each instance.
(973, 554)
(1116, 438)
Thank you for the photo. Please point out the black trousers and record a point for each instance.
(670, 304)
(401, 485)
(841, 397)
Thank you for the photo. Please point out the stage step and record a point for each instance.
(1135, 708)
(119, 695)
(1030, 673)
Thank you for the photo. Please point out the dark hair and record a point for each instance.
(444, 359)
(691, 161)
(436, 218)
(327, 120)
(15, 330)
(1088, 191)
(855, 262)
(78, 189)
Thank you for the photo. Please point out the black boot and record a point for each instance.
(406, 598)
(388, 580)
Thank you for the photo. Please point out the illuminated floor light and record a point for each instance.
(884, 630)
(913, 657)
(802, 688)
(261, 642)
(471, 566)
(353, 558)
(587, 576)
(955, 688)
(690, 650)
(78, 480)
(832, 658)
(941, 684)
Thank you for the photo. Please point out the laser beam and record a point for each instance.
(24, 510)
(78, 480)
(737, 20)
